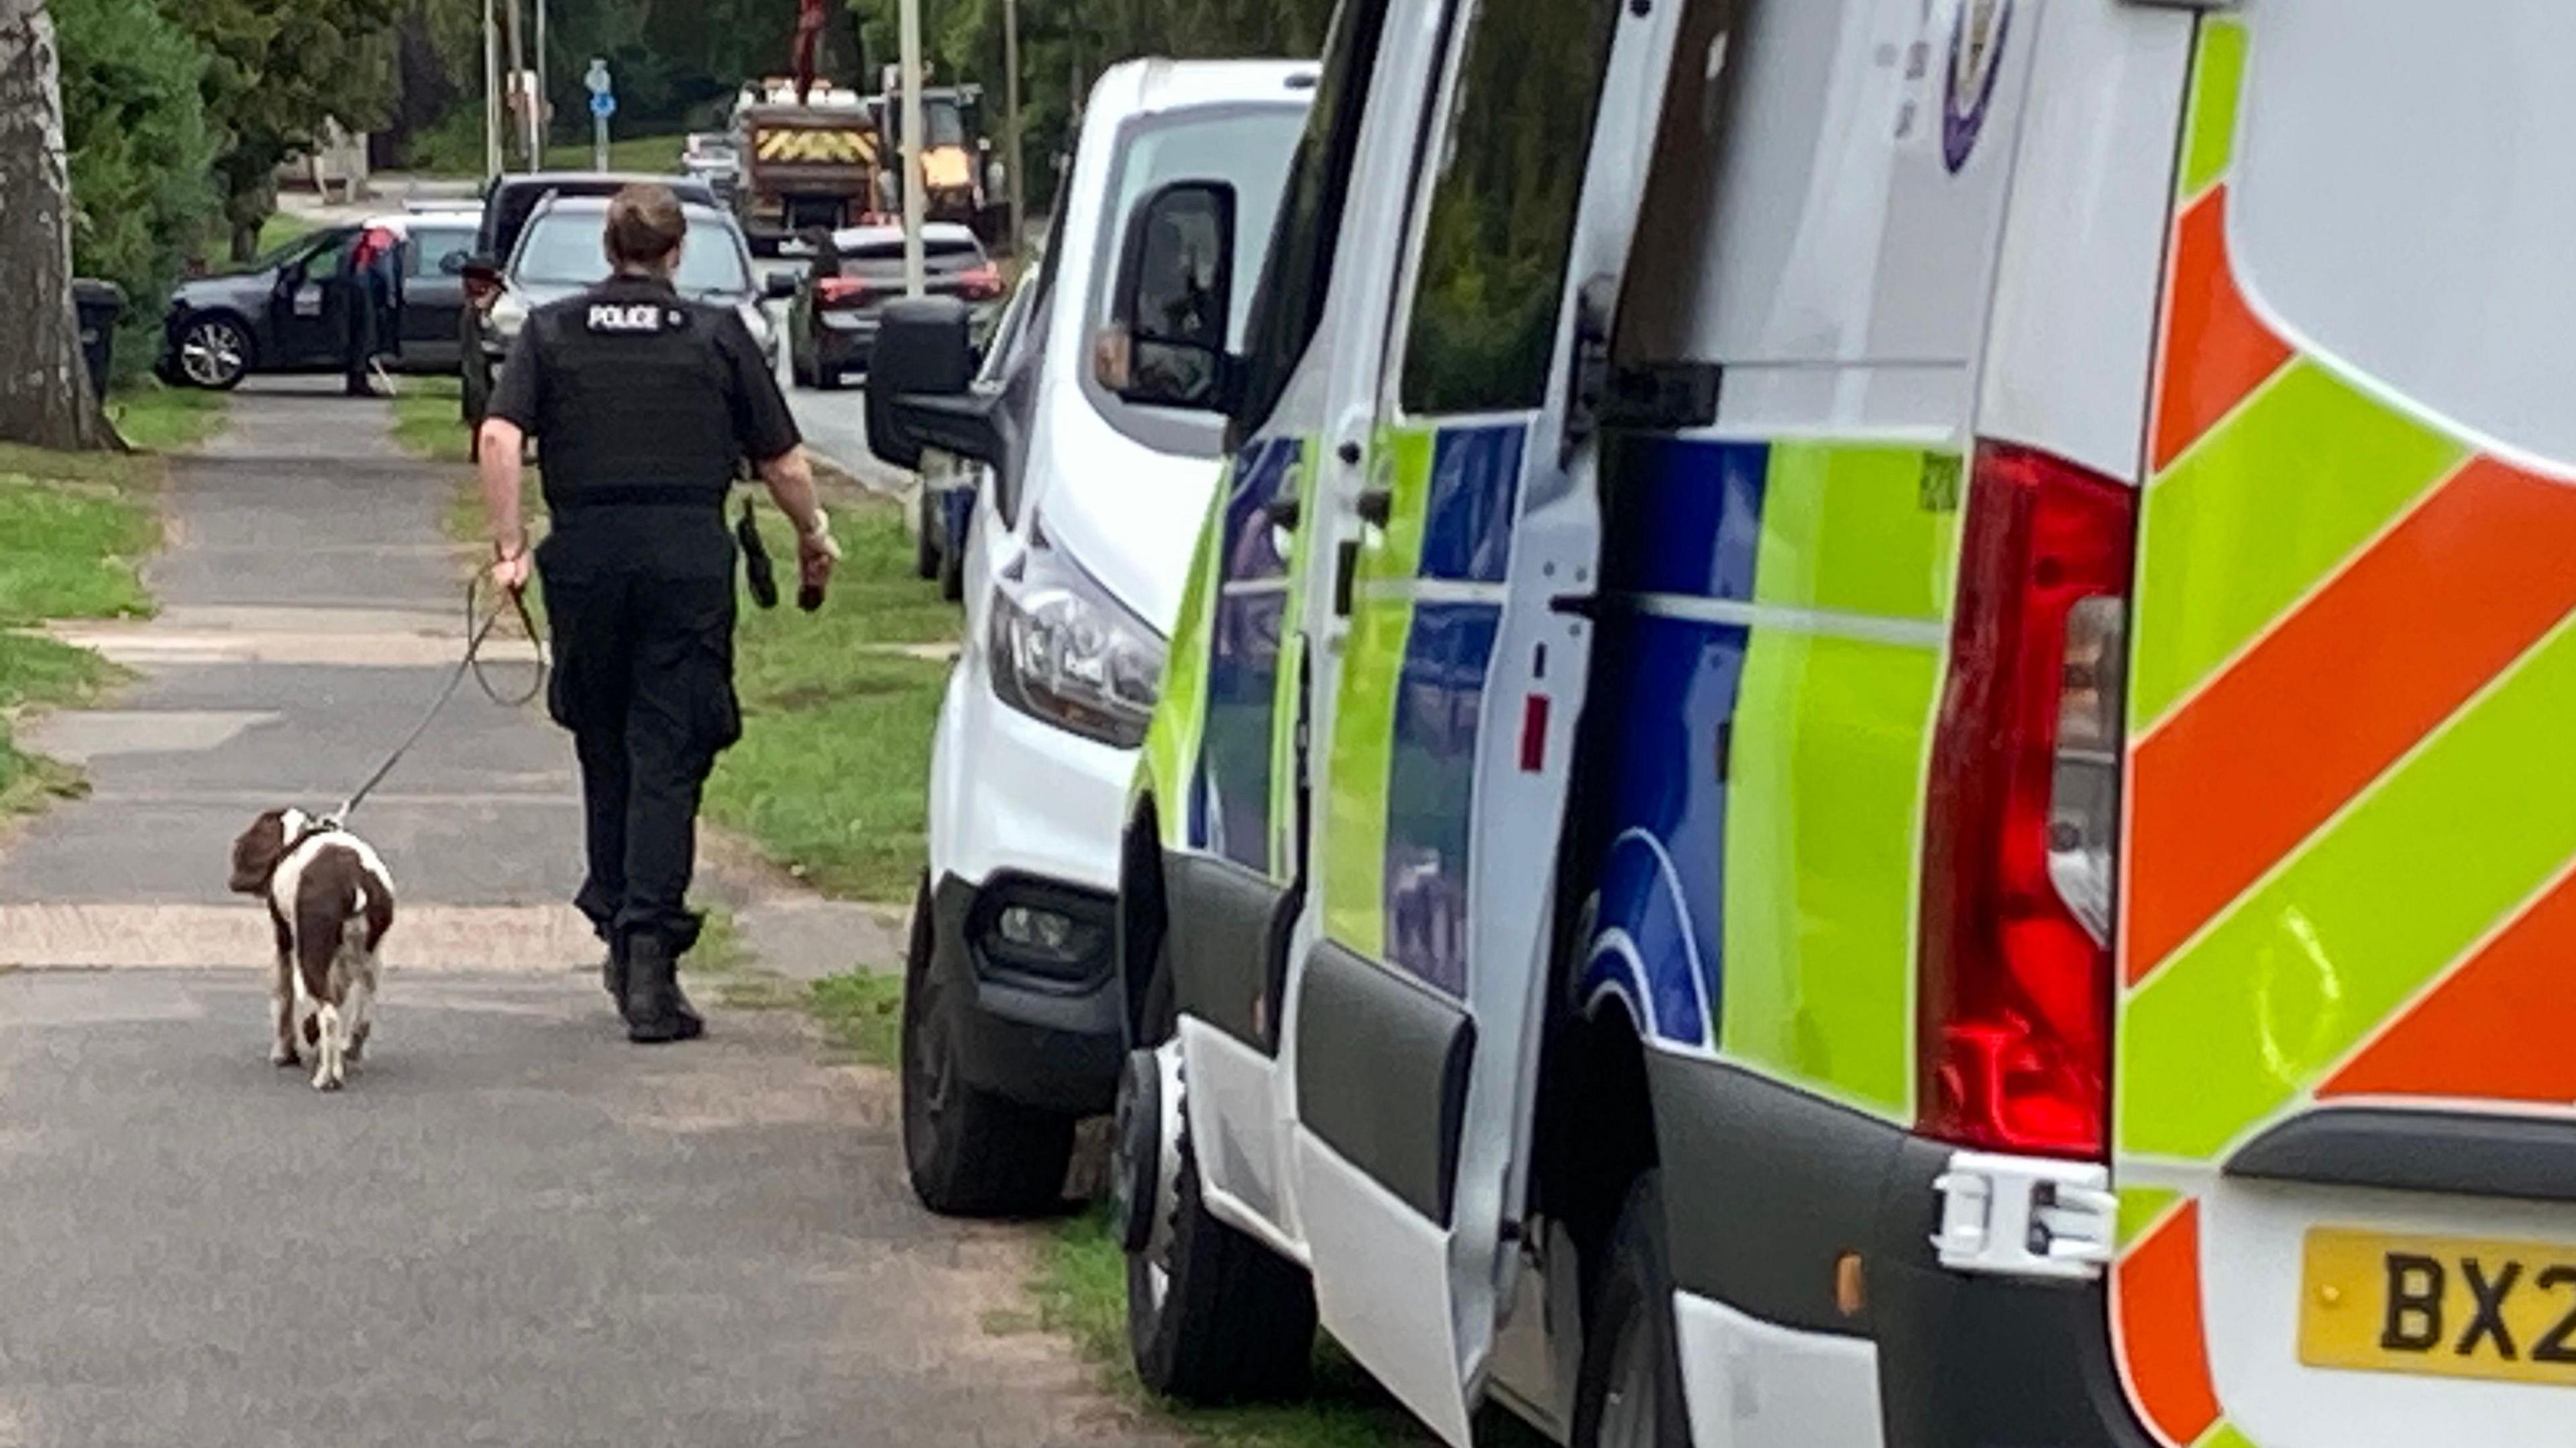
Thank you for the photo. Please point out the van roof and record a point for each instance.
(1157, 84)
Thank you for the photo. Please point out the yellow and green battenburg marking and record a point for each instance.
(1362, 750)
(1831, 738)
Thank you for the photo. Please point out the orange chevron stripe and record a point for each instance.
(2161, 1338)
(2216, 351)
(2495, 1030)
(2340, 690)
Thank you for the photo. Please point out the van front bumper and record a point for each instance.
(1768, 1190)
(1041, 1026)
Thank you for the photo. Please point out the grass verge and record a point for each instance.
(428, 424)
(73, 528)
(1081, 1291)
(283, 227)
(832, 776)
(158, 418)
(861, 1014)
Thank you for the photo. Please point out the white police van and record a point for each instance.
(1859, 753)
(1074, 556)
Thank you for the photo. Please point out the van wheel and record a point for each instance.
(925, 548)
(969, 1152)
(1629, 1392)
(1212, 1315)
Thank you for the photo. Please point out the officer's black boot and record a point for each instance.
(656, 1012)
(612, 971)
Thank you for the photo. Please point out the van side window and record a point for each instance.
(1492, 277)
(1289, 305)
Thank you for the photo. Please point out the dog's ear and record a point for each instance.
(256, 853)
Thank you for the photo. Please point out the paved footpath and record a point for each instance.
(512, 1228)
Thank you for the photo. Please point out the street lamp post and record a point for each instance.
(913, 265)
(518, 67)
(490, 91)
(537, 96)
(1011, 121)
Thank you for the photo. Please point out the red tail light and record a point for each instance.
(982, 284)
(2024, 807)
(840, 291)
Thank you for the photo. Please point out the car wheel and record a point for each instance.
(969, 1152)
(925, 543)
(214, 353)
(1628, 1393)
(1212, 1315)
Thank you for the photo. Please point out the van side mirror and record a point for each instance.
(921, 386)
(1171, 312)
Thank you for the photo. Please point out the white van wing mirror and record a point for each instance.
(1172, 309)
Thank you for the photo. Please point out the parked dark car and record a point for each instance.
(287, 312)
(832, 328)
(433, 288)
(508, 202)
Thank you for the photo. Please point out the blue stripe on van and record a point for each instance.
(1679, 518)
(1431, 787)
(1475, 486)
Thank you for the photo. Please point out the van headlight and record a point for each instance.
(1065, 652)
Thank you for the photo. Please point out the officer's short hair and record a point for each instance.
(645, 225)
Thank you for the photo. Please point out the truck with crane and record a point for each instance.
(810, 156)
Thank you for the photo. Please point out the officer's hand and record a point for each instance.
(815, 555)
(511, 572)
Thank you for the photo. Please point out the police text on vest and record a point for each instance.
(610, 317)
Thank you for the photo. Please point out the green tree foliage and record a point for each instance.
(276, 70)
(1066, 44)
(679, 62)
(135, 124)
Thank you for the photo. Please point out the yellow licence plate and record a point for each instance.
(2448, 1306)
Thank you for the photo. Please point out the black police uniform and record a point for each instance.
(644, 405)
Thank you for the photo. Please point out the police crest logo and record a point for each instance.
(638, 319)
(1976, 62)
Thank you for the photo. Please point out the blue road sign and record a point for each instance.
(603, 105)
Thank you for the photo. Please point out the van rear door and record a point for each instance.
(2343, 1127)
(1448, 741)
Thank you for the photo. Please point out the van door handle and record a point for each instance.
(1377, 507)
(1286, 512)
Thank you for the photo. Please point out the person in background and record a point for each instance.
(369, 279)
(482, 289)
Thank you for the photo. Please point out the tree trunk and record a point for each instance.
(45, 396)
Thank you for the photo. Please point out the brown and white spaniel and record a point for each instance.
(331, 901)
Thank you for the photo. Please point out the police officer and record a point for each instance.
(644, 405)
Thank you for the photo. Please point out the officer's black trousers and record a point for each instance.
(644, 680)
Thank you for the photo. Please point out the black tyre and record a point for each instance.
(969, 1153)
(1212, 1315)
(1629, 1392)
(925, 543)
(215, 353)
